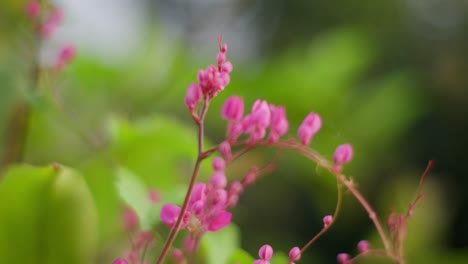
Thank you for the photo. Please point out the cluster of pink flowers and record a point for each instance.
(47, 23)
(211, 81)
(254, 124)
(206, 206)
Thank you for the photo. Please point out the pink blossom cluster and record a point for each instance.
(206, 210)
(255, 124)
(211, 80)
(47, 23)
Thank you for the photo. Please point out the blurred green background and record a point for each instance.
(390, 77)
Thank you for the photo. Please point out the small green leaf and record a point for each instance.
(218, 247)
(134, 192)
(241, 256)
(279, 258)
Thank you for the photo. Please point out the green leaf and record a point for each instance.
(135, 193)
(279, 258)
(219, 246)
(241, 256)
(48, 216)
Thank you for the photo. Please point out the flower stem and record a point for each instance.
(201, 156)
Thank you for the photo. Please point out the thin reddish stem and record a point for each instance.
(325, 228)
(313, 155)
(201, 156)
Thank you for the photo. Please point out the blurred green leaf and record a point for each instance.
(48, 216)
(219, 246)
(279, 258)
(134, 192)
(241, 256)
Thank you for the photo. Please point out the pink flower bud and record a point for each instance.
(233, 108)
(51, 23)
(225, 150)
(67, 54)
(33, 8)
(309, 127)
(219, 221)
(189, 243)
(363, 246)
(220, 198)
(177, 255)
(154, 196)
(198, 208)
(295, 254)
(250, 177)
(279, 124)
(235, 188)
(198, 193)
(261, 114)
(169, 214)
(226, 67)
(265, 252)
(218, 179)
(224, 48)
(343, 258)
(130, 218)
(193, 96)
(327, 220)
(261, 261)
(343, 154)
(221, 58)
(232, 200)
(218, 164)
(120, 261)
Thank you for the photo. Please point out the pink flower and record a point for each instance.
(193, 96)
(189, 243)
(219, 221)
(218, 179)
(250, 177)
(363, 246)
(225, 150)
(218, 164)
(265, 252)
(261, 114)
(279, 124)
(169, 214)
(177, 255)
(130, 218)
(309, 127)
(51, 23)
(220, 198)
(343, 258)
(343, 154)
(233, 108)
(67, 54)
(120, 261)
(235, 188)
(295, 254)
(198, 193)
(33, 8)
(154, 196)
(327, 220)
(226, 67)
